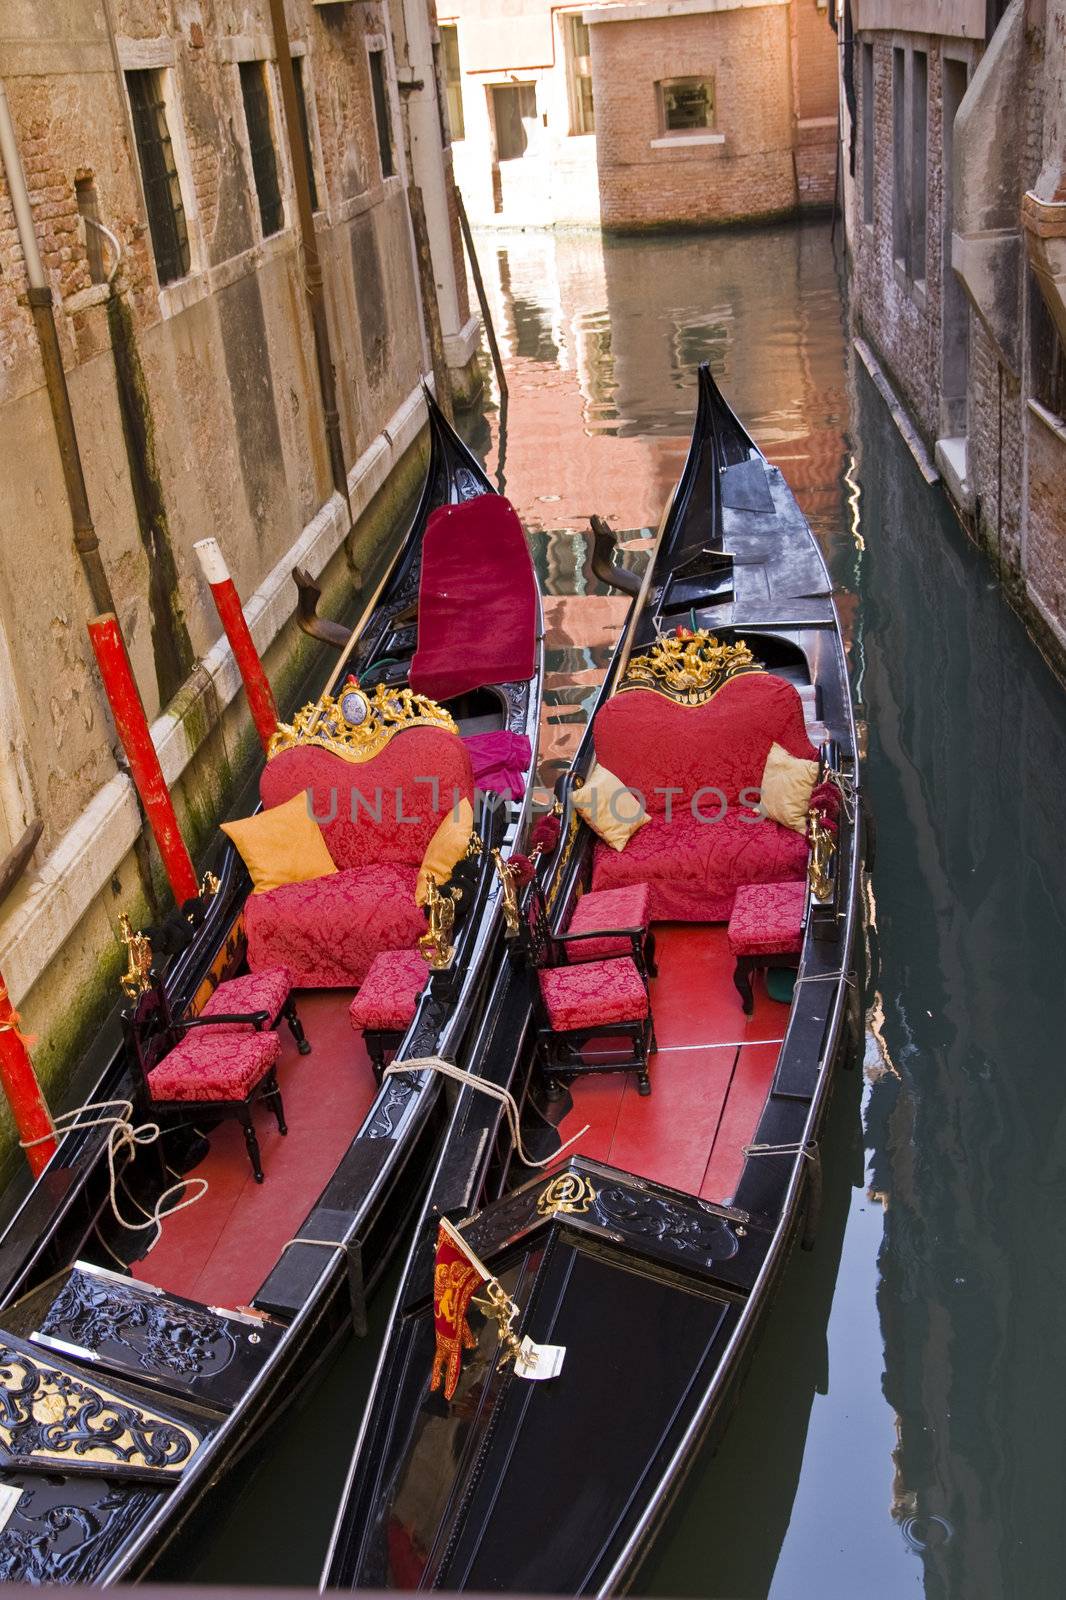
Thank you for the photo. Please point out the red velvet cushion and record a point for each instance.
(767, 919)
(477, 600)
(214, 1064)
(650, 743)
(328, 931)
(395, 813)
(694, 869)
(608, 908)
(390, 991)
(253, 991)
(594, 994)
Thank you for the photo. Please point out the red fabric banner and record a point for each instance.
(455, 1279)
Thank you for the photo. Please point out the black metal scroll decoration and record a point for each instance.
(53, 1419)
(163, 1336)
(652, 1216)
(53, 1537)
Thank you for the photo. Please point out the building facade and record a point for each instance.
(158, 172)
(640, 113)
(956, 207)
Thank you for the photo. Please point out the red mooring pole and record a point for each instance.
(231, 614)
(19, 1082)
(132, 727)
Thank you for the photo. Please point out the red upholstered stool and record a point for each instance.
(384, 1008)
(221, 1068)
(617, 914)
(766, 924)
(269, 990)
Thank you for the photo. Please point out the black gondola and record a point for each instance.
(153, 1389)
(652, 1258)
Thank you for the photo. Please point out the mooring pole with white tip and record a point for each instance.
(231, 615)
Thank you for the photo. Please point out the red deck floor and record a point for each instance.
(220, 1250)
(710, 1075)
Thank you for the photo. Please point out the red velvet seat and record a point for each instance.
(220, 1064)
(699, 769)
(594, 994)
(377, 817)
(627, 908)
(390, 991)
(266, 991)
(767, 922)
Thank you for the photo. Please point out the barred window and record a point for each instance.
(159, 175)
(261, 145)
(687, 104)
(1047, 362)
(305, 128)
(453, 80)
(380, 88)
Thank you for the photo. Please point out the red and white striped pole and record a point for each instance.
(231, 614)
(132, 727)
(19, 1081)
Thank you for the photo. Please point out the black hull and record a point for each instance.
(103, 1527)
(562, 1487)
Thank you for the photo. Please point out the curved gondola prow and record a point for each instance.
(454, 472)
(697, 488)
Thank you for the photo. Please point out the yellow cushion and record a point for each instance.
(282, 845)
(787, 782)
(609, 808)
(447, 846)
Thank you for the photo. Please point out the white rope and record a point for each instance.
(495, 1091)
(827, 977)
(809, 1150)
(123, 1136)
(845, 788)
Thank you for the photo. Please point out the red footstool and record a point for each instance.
(269, 990)
(384, 1008)
(766, 923)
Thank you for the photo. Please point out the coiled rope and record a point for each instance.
(124, 1136)
(495, 1091)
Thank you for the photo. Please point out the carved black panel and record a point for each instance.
(391, 1105)
(67, 1532)
(54, 1418)
(677, 1224)
(163, 1340)
(466, 484)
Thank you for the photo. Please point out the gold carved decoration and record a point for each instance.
(435, 945)
(359, 723)
(688, 667)
(137, 977)
(209, 886)
(52, 1417)
(511, 912)
(570, 1195)
(822, 848)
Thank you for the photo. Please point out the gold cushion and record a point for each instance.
(609, 808)
(447, 846)
(282, 845)
(787, 783)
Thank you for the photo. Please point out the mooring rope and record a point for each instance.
(809, 1149)
(123, 1136)
(495, 1091)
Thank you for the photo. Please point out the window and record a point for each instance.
(453, 80)
(305, 128)
(513, 106)
(919, 119)
(380, 87)
(899, 159)
(579, 75)
(159, 175)
(1047, 363)
(687, 103)
(261, 145)
(868, 133)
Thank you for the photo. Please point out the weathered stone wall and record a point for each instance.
(198, 411)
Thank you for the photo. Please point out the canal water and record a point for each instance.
(903, 1427)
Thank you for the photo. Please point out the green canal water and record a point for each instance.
(903, 1427)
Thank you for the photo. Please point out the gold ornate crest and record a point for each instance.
(570, 1194)
(688, 667)
(359, 722)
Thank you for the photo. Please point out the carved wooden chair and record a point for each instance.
(577, 1001)
(221, 1064)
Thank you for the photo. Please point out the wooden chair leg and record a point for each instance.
(375, 1049)
(296, 1027)
(742, 983)
(251, 1142)
(273, 1093)
(649, 955)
